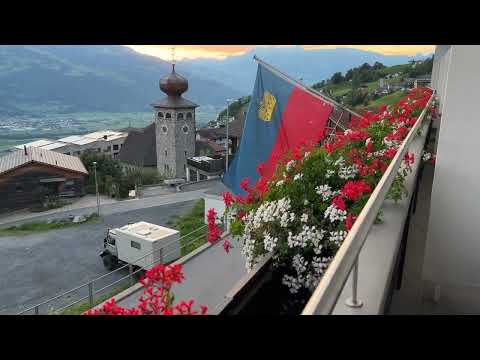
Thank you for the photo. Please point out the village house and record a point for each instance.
(107, 142)
(28, 176)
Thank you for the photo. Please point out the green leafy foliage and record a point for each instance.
(113, 178)
(187, 224)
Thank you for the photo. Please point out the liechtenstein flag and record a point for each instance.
(282, 115)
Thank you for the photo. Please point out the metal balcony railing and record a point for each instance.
(328, 291)
(95, 287)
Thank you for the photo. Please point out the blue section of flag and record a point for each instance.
(258, 135)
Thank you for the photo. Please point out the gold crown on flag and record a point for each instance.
(267, 105)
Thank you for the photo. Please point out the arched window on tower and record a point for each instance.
(168, 116)
(189, 115)
(160, 115)
(180, 116)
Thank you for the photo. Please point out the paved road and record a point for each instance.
(87, 201)
(158, 190)
(117, 207)
(208, 277)
(37, 267)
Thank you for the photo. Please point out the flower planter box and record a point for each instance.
(262, 293)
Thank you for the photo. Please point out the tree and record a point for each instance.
(113, 178)
(378, 66)
(337, 78)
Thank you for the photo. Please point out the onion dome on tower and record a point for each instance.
(173, 84)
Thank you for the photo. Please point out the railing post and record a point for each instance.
(353, 301)
(90, 293)
(36, 310)
(130, 271)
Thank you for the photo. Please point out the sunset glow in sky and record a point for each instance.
(222, 51)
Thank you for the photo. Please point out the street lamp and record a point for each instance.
(96, 187)
(228, 140)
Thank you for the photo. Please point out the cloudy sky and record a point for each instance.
(223, 51)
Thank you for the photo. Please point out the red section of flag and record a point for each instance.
(303, 121)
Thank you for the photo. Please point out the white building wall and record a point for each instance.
(214, 202)
(452, 251)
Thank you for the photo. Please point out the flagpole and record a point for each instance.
(296, 82)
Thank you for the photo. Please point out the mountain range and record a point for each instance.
(73, 78)
(311, 66)
(113, 78)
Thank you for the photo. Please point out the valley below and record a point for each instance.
(16, 130)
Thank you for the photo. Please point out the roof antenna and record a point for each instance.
(25, 149)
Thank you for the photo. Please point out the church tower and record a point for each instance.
(174, 126)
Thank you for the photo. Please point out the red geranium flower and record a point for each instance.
(244, 184)
(339, 203)
(227, 246)
(261, 169)
(349, 221)
(228, 199)
(390, 153)
(409, 158)
(353, 189)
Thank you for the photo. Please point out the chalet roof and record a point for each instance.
(207, 144)
(140, 147)
(37, 143)
(42, 156)
(210, 133)
(235, 128)
(174, 102)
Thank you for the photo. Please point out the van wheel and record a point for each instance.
(110, 261)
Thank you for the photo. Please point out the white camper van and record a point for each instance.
(140, 244)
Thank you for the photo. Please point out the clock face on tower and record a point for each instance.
(164, 129)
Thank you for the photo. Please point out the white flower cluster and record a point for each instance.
(337, 237)
(319, 264)
(344, 171)
(390, 143)
(304, 218)
(290, 165)
(317, 242)
(329, 173)
(269, 211)
(293, 283)
(248, 249)
(299, 263)
(309, 234)
(307, 153)
(269, 242)
(340, 162)
(298, 177)
(305, 278)
(426, 156)
(348, 172)
(280, 183)
(333, 214)
(325, 191)
(376, 154)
